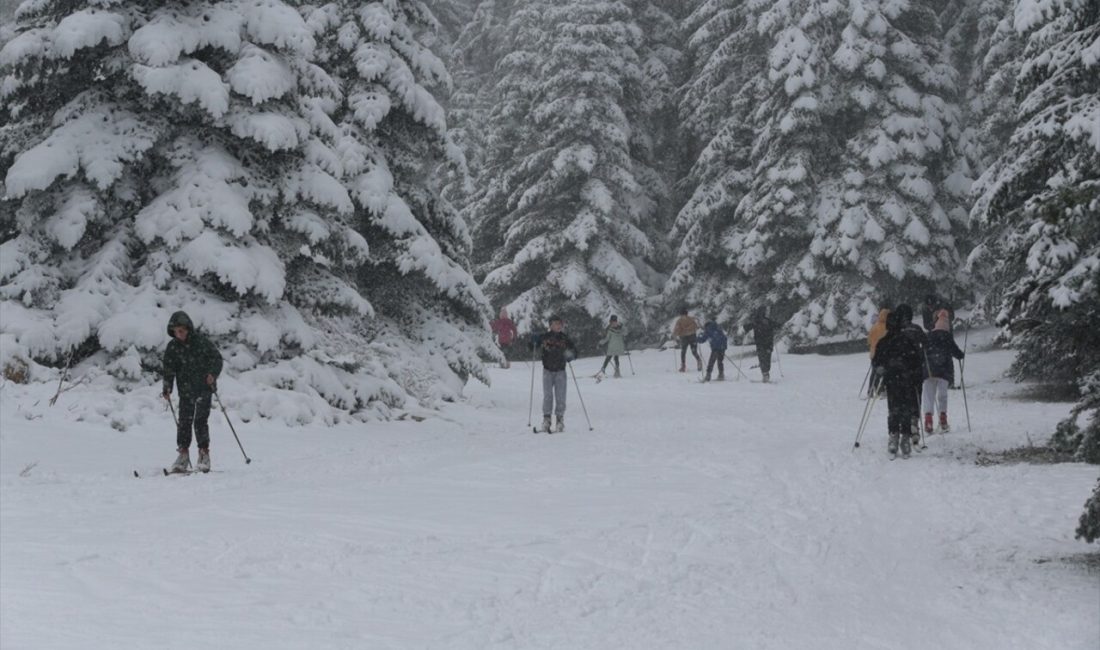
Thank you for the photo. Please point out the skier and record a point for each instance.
(763, 329)
(878, 330)
(684, 331)
(614, 338)
(896, 362)
(193, 363)
(557, 350)
(941, 349)
(504, 329)
(916, 335)
(718, 341)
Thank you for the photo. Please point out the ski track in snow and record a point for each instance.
(724, 515)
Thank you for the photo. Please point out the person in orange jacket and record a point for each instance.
(878, 330)
(684, 332)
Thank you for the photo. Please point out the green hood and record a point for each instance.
(180, 318)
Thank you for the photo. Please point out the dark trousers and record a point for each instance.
(607, 360)
(764, 356)
(689, 342)
(899, 401)
(719, 357)
(194, 412)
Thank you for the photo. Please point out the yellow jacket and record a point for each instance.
(878, 330)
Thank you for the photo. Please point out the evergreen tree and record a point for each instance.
(715, 112)
(196, 156)
(563, 215)
(823, 189)
(1038, 203)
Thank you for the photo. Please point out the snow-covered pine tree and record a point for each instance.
(1039, 203)
(984, 49)
(563, 217)
(715, 110)
(822, 191)
(182, 155)
(392, 142)
(885, 221)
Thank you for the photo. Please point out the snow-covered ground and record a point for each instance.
(730, 515)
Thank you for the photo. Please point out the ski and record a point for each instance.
(168, 472)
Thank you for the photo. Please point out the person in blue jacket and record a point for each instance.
(718, 342)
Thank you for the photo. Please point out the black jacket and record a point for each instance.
(188, 364)
(898, 359)
(557, 350)
(763, 329)
(941, 348)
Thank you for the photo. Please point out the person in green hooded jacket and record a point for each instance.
(615, 339)
(193, 363)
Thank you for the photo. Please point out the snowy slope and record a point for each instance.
(693, 516)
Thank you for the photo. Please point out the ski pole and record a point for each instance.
(579, 396)
(737, 366)
(531, 398)
(173, 408)
(247, 460)
(778, 363)
(962, 377)
(864, 382)
(920, 424)
(868, 411)
(631, 362)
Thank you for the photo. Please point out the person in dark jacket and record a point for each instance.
(557, 351)
(941, 351)
(914, 333)
(718, 342)
(763, 329)
(193, 363)
(897, 362)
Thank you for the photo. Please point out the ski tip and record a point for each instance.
(166, 472)
(136, 475)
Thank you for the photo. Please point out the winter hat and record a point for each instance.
(904, 313)
(555, 318)
(180, 318)
(614, 319)
(943, 320)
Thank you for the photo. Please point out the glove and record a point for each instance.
(880, 371)
(570, 355)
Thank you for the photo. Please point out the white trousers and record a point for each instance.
(935, 391)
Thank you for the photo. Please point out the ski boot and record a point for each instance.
(916, 442)
(560, 426)
(618, 375)
(706, 379)
(944, 427)
(892, 446)
(927, 423)
(700, 365)
(767, 377)
(203, 464)
(545, 424)
(183, 462)
(683, 367)
(906, 446)
(721, 377)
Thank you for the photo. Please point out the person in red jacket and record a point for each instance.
(504, 330)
